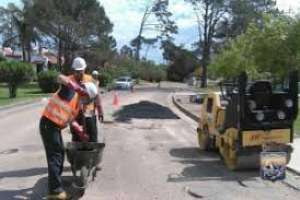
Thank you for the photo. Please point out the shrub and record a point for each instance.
(105, 77)
(15, 73)
(48, 81)
(2, 58)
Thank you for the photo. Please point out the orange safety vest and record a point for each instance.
(62, 112)
(87, 108)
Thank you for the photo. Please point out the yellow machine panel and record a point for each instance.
(259, 137)
(247, 118)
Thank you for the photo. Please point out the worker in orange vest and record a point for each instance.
(61, 110)
(89, 112)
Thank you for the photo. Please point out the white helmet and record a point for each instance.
(91, 89)
(78, 64)
(95, 73)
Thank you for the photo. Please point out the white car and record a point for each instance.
(124, 83)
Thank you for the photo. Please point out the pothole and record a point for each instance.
(9, 151)
(241, 183)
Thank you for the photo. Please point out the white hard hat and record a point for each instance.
(91, 89)
(95, 73)
(78, 64)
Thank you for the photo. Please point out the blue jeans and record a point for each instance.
(53, 143)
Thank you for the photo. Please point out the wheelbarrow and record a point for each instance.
(84, 158)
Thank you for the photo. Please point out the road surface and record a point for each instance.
(151, 153)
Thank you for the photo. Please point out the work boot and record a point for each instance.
(59, 196)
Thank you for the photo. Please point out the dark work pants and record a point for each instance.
(53, 143)
(91, 128)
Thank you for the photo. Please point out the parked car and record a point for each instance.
(124, 82)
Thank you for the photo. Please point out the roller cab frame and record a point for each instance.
(246, 118)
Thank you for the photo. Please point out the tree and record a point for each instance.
(242, 13)
(18, 28)
(258, 51)
(126, 51)
(15, 73)
(75, 25)
(293, 43)
(163, 25)
(7, 28)
(212, 12)
(182, 61)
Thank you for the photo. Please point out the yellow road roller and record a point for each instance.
(247, 118)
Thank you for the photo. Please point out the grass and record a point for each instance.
(25, 92)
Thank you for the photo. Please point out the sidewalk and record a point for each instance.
(181, 100)
(294, 164)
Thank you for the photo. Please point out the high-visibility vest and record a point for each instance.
(88, 109)
(60, 111)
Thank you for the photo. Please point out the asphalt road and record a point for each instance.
(151, 153)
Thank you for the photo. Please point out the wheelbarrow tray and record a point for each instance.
(88, 154)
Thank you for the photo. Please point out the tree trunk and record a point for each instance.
(23, 52)
(12, 91)
(28, 47)
(68, 60)
(138, 45)
(59, 54)
(204, 73)
(138, 48)
(205, 47)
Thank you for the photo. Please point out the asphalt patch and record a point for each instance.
(144, 110)
(9, 151)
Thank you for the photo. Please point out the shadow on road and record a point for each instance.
(144, 110)
(39, 190)
(27, 172)
(203, 166)
(24, 172)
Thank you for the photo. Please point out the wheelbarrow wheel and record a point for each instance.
(94, 174)
(73, 169)
(83, 176)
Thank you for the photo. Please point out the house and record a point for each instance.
(45, 61)
(11, 54)
(42, 58)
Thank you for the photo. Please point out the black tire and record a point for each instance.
(94, 174)
(208, 140)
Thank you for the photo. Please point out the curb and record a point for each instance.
(294, 171)
(195, 118)
(24, 103)
(185, 111)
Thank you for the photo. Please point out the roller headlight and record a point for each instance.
(281, 115)
(289, 103)
(252, 105)
(260, 116)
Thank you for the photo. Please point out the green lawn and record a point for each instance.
(25, 92)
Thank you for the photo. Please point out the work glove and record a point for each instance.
(76, 87)
(80, 132)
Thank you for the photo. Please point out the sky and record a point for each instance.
(126, 16)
